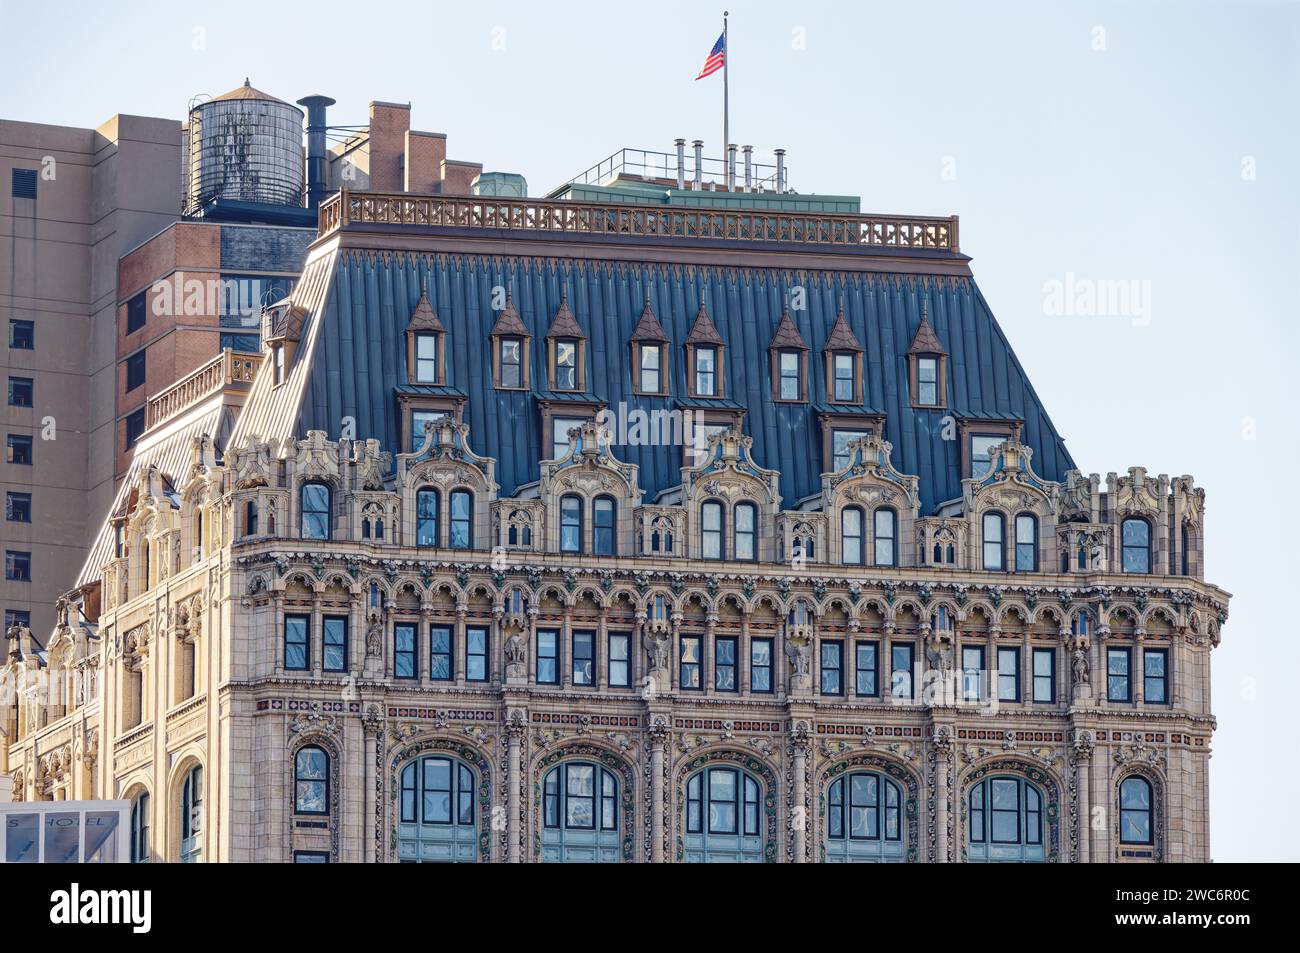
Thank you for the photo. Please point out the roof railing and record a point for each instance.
(227, 368)
(661, 167)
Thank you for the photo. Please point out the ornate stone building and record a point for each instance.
(430, 594)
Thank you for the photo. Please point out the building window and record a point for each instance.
(571, 524)
(972, 672)
(886, 531)
(19, 449)
(437, 790)
(426, 517)
(1045, 676)
(1136, 535)
(18, 566)
(311, 857)
(22, 183)
(192, 817)
(311, 783)
(691, 668)
(440, 667)
(620, 660)
(426, 359)
(17, 617)
(864, 814)
(405, 650)
(22, 335)
(20, 392)
(993, 525)
(315, 499)
(134, 428)
(566, 364)
(706, 372)
(746, 517)
(462, 513)
(845, 384)
(791, 387)
(724, 664)
(571, 800)
(297, 646)
(711, 530)
(832, 668)
(927, 381)
(1155, 676)
(18, 507)
(140, 829)
(981, 453)
(1026, 543)
(1008, 674)
(135, 371)
(1117, 675)
(560, 427)
(511, 362)
(1006, 811)
(419, 418)
(476, 655)
(900, 679)
(729, 801)
(250, 518)
(852, 550)
(760, 665)
(1135, 811)
(584, 658)
(840, 439)
(867, 668)
(651, 358)
(602, 528)
(135, 313)
(548, 658)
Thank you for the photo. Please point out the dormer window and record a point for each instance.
(566, 348)
(789, 362)
(511, 362)
(566, 365)
(844, 379)
(843, 357)
(978, 440)
(424, 333)
(426, 359)
(927, 366)
(927, 381)
(510, 339)
(981, 453)
(649, 354)
(704, 351)
(651, 361)
(790, 384)
(706, 372)
(277, 359)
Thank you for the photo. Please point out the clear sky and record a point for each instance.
(1140, 142)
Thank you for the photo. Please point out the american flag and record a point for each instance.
(717, 56)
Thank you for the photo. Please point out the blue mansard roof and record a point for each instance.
(353, 364)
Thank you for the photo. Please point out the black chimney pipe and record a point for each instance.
(315, 148)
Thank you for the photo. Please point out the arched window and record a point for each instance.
(886, 531)
(864, 819)
(198, 534)
(1136, 535)
(603, 537)
(1135, 811)
(462, 518)
(580, 814)
(311, 785)
(711, 530)
(140, 829)
(1026, 543)
(1186, 552)
(250, 518)
(571, 524)
(993, 528)
(192, 816)
(1005, 821)
(723, 816)
(436, 821)
(851, 548)
(426, 517)
(746, 522)
(315, 499)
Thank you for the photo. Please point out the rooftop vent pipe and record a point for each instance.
(699, 163)
(681, 163)
(780, 171)
(316, 184)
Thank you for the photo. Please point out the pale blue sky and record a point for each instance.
(1115, 164)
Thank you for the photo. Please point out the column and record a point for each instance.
(942, 752)
(514, 769)
(1138, 671)
(800, 743)
(372, 724)
(1083, 745)
(658, 736)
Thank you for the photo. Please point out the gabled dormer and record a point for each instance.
(704, 352)
(649, 354)
(566, 351)
(927, 366)
(283, 332)
(788, 358)
(842, 357)
(426, 361)
(732, 502)
(510, 347)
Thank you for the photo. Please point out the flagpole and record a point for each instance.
(726, 103)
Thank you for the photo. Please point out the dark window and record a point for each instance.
(845, 391)
(788, 364)
(297, 647)
(870, 816)
(140, 830)
(711, 530)
(650, 361)
(462, 513)
(18, 507)
(1155, 676)
(852, 549)
(900, 680)
(476, 655)
(1117, 675)
(418, 419)
(19, 617)
(426, 517)
(927, 381)
(584, 660)
(250, 518)
(22, 335)
(315, 499)
(993, 524)
(760, 665)
(1135, 811)
(724, 664)
(20, 392)
(512, 370)
(746, 519)
(548, 648)
(440, 667)
(18, 565)
(689, 675)
(1137, 545)
(1026, 543)
(571, 524)
(972, 672)
(832, 668)
(405, 650)
(602, 529)
(134, 427)
(247, 343)
(620, 671)
(566, 365)
(1008, 674)
(560, 427)
(311, 857)
(868, 668)
(22, 183)
(277, 355)
(426, 359)
(886, 530)
(135, 371)
(706, 377)
(445, 793)
(1045, 675)
(135, 313)
(311, 786)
